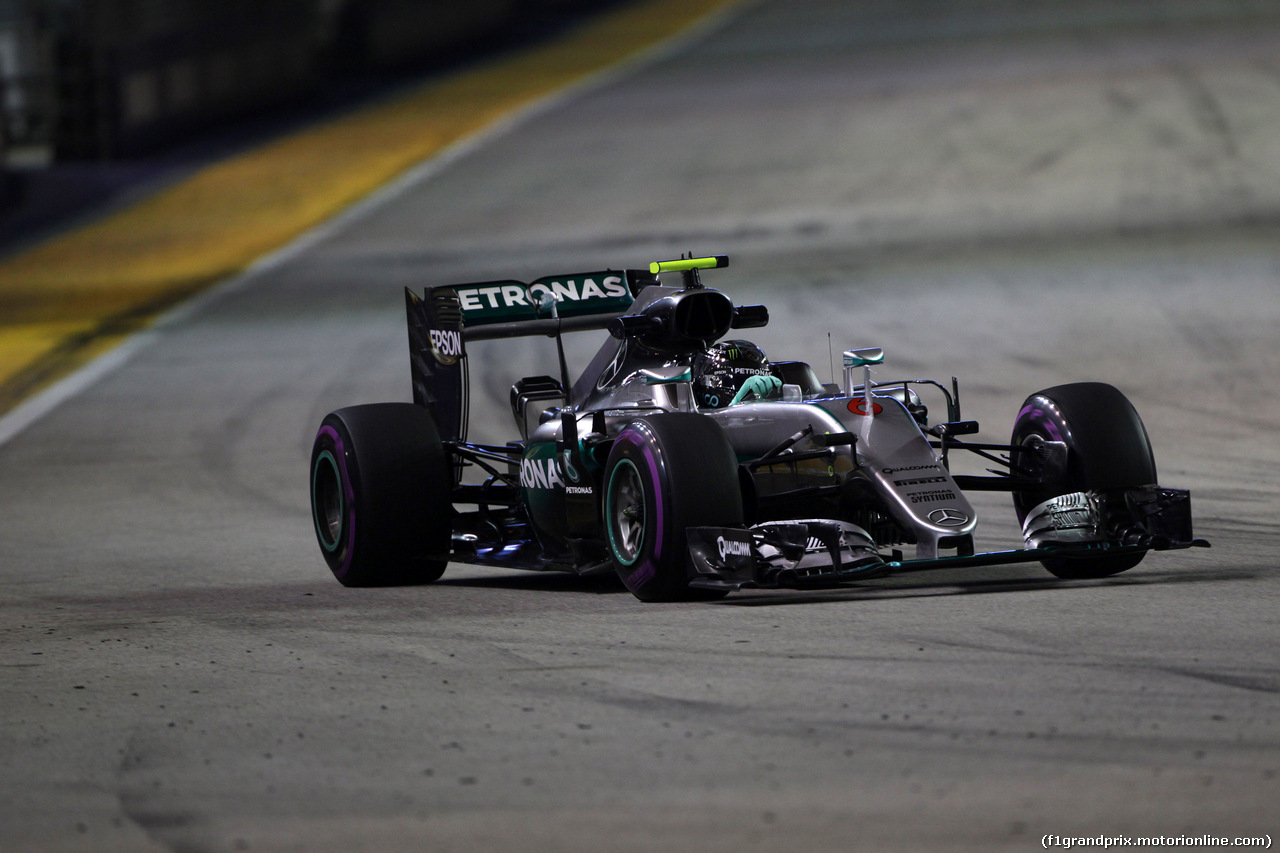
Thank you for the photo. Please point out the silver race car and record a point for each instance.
(690, 464)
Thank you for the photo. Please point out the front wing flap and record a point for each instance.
(802, 553)
(1150, 517)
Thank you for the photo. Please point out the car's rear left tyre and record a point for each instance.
(1107, 448)
(380, 485)
(666, 473)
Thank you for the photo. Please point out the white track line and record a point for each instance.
(38, 406)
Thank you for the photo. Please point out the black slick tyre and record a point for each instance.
(1107, 448)
(380, 484)
(664, 474)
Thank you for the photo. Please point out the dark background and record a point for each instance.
(103, 98)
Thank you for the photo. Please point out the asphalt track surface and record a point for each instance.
(1018, 197)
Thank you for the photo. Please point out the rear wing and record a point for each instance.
(446, 317)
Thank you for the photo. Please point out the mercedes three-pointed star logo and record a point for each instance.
(948, 517)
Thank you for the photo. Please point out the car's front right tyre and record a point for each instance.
(666, 473)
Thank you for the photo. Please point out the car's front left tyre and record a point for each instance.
(380, 495)
(1107, 450)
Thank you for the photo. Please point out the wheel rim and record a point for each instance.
(329, 507)
(626, 512)
(1023, 501)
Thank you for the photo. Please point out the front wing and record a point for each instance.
(813, 553)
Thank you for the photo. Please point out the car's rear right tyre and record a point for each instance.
(380, 495)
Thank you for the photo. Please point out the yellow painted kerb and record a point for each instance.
(65, 300)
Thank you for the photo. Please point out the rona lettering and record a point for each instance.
(540, 474)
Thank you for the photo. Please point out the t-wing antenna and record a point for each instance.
(688, 267)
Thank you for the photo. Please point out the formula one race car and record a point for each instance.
(693, 466)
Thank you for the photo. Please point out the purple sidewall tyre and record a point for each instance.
(380, 495)
(666, 473)
(1107, 449)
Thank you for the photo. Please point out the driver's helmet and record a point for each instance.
(732, 371)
